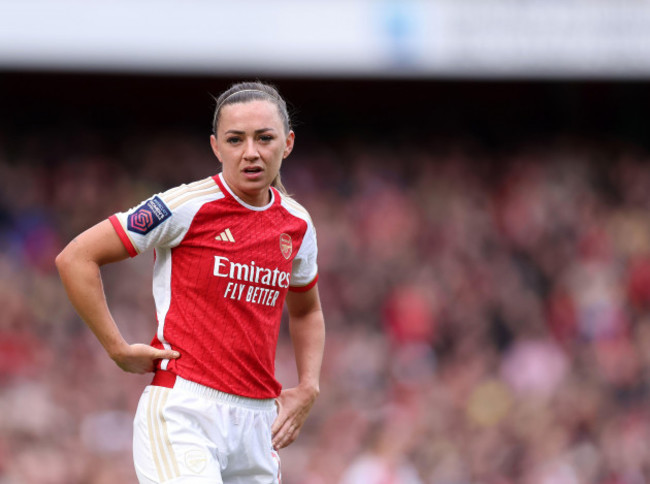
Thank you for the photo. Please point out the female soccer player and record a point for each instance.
(229, 251)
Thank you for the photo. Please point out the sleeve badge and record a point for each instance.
(148, 216)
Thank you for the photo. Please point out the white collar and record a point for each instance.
(243, 203)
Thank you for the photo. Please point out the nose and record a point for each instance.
(250, 150)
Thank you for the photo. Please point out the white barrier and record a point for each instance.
(384, 38)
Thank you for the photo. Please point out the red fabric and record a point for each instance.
(304, 288)
(164, 378)
(226, 327)
(123, 237)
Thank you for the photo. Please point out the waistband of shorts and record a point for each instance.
(168, 379)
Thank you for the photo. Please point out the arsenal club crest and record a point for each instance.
(286, 246)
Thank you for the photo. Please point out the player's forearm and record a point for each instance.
(308, 337)
(83, 284)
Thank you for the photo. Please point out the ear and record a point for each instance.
(288, 148)
(215, 149)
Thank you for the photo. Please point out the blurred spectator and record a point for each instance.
(481, 329)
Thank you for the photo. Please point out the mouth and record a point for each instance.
(253, 169)
(252, 172)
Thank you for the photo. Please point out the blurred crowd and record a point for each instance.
(488, 310)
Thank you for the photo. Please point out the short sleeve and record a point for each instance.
(163, 220)
(304, 273)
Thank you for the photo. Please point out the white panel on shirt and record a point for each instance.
(305, 267)
(183, 202)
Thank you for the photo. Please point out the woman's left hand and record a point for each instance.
(294, 405)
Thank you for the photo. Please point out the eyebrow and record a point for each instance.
(257, 131)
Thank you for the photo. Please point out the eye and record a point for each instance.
(233, 140)
(266, 138)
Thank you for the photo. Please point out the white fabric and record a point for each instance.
(305, 266)
(194, 434)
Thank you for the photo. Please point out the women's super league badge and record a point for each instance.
(148, 216)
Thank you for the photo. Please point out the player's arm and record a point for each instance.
(79, 267)
(307, 329)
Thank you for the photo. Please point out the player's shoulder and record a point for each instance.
(295, 208)
(199, 191)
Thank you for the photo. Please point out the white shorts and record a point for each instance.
(194, 434)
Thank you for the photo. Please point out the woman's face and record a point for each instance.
(251, 143)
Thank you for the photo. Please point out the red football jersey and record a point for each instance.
(221, 274)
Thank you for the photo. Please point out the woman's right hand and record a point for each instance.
(141, 358)
(79, 265)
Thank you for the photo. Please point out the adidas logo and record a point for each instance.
(225, 236)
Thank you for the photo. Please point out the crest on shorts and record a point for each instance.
(196, 460)
(286, 245)
(148, 216)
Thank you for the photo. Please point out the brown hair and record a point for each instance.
(244, 92)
